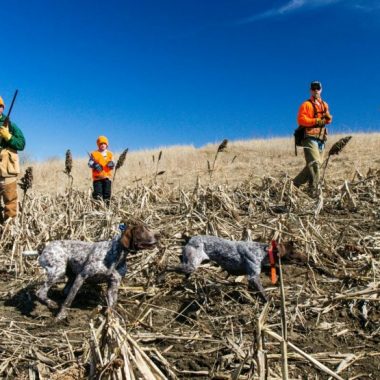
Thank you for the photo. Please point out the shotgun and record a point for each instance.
(7, 121)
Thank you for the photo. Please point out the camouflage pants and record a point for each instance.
(313, 150)
(8, 193)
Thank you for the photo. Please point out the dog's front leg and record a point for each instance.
(113, 287)
(72, 293)
(69, 284)
(42, 295)
(254, 281)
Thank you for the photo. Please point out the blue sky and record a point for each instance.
(154, 73)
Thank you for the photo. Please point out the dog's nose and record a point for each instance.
(157, 235)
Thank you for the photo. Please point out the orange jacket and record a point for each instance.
(307, 117)
(102, 161)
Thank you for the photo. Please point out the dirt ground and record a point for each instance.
(180, 309)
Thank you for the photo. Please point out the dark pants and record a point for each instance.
(102, 190)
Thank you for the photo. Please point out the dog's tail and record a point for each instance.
(31, 254)
(34, 253)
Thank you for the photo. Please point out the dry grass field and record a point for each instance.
(323, 325)
(242, 160)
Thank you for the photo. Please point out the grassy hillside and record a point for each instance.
(242, 160)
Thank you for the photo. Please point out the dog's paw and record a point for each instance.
(61, 316)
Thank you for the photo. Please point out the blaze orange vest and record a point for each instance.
(102, 161)
(307, 115)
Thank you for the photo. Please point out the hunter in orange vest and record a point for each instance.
(313, 116)
(101, 163)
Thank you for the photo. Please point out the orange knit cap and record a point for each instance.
(2, 102)
(102, 140)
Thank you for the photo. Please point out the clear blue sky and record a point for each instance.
(151, 73)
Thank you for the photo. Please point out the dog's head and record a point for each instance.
(288, 252)
(138, 236)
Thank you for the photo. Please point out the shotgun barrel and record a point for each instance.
(6, 121)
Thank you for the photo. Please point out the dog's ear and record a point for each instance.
(126, 237)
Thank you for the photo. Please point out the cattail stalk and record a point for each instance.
(67, 171)
(334, 150)
(157, 173)
(221, 148)
(26, 184)
(119, 164)
(68, 162)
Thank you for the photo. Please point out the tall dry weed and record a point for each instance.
(157, 173)
(67, 171)
(25, 185)
(335, 150)
(221, 148)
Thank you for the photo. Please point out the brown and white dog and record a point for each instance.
(99, 262)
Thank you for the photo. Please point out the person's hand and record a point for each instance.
(319, 122)
(328, 116)
(98, 167)
(5, 134)
(111, 164)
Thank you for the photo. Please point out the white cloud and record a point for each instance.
(300, 5)
(365, 7)
(291, 6)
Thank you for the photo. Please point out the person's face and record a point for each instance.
(1, 110)
(102, 147)
(316, 92)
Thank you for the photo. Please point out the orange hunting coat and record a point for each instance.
(308, 114)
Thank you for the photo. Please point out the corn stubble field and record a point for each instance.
(209, 326)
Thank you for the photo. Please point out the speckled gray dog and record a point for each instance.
(104, 261)
(236, 257)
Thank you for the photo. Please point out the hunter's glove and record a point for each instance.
(327, 117)
(98, 167)
(319, 122)
(5, 134)
(111, 164)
